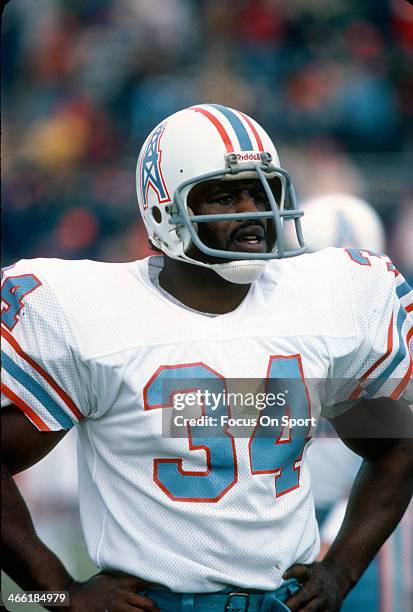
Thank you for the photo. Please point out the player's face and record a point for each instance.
(233, 197)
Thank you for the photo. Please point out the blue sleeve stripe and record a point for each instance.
(403, 290)
(37, 391)
(375, 385)
(239, 128)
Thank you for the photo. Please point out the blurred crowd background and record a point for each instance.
(83, 81)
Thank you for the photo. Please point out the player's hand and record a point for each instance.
(322, 587)
(106, 593)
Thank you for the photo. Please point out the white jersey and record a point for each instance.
(96, 345)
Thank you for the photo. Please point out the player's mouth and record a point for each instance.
(250, 239)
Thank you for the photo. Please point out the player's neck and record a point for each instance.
(200, 288)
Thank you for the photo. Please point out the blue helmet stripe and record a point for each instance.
(239, 128)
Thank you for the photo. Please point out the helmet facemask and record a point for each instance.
(187, 224)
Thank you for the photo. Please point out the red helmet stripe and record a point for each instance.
(223, 133)
(253, 130)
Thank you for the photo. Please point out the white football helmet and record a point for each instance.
(201, 143)
(342, 220)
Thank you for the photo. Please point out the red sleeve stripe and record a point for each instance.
(409, 308)
(222, 131)
(24, 408)
(405, 380)
(63, 396)
(253, 130)
(355, 394)
(386, 354)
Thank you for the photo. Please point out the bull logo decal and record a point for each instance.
(150, 170)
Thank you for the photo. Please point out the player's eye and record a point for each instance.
(222, 198)
(261, 199)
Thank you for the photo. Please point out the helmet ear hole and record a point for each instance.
(157, 214)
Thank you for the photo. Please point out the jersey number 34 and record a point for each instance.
(276, 450)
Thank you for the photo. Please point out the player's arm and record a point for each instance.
(378, 366)
(26, 559)
(379, 497)
(383, 487)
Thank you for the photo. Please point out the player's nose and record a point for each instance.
(246, 202)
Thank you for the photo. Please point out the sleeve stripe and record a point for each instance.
(403, 383)
(403, 290)
(66, 399)
(24, 408)
(356, 392)
(397, 359)
(36, 390)
(386, 354)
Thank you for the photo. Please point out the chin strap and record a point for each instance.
(241, 272)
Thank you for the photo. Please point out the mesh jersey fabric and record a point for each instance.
(101, 333)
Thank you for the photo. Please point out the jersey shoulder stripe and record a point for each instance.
(24, 407)
(39, 349)
(16, 348)
(36, 390)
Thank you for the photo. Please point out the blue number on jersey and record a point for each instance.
(203, 484)
(267, 456)
(277, 449)
(13, 290)
(363, 256)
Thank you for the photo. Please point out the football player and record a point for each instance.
(208, 516)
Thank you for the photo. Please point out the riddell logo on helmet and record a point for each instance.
(248, 156)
